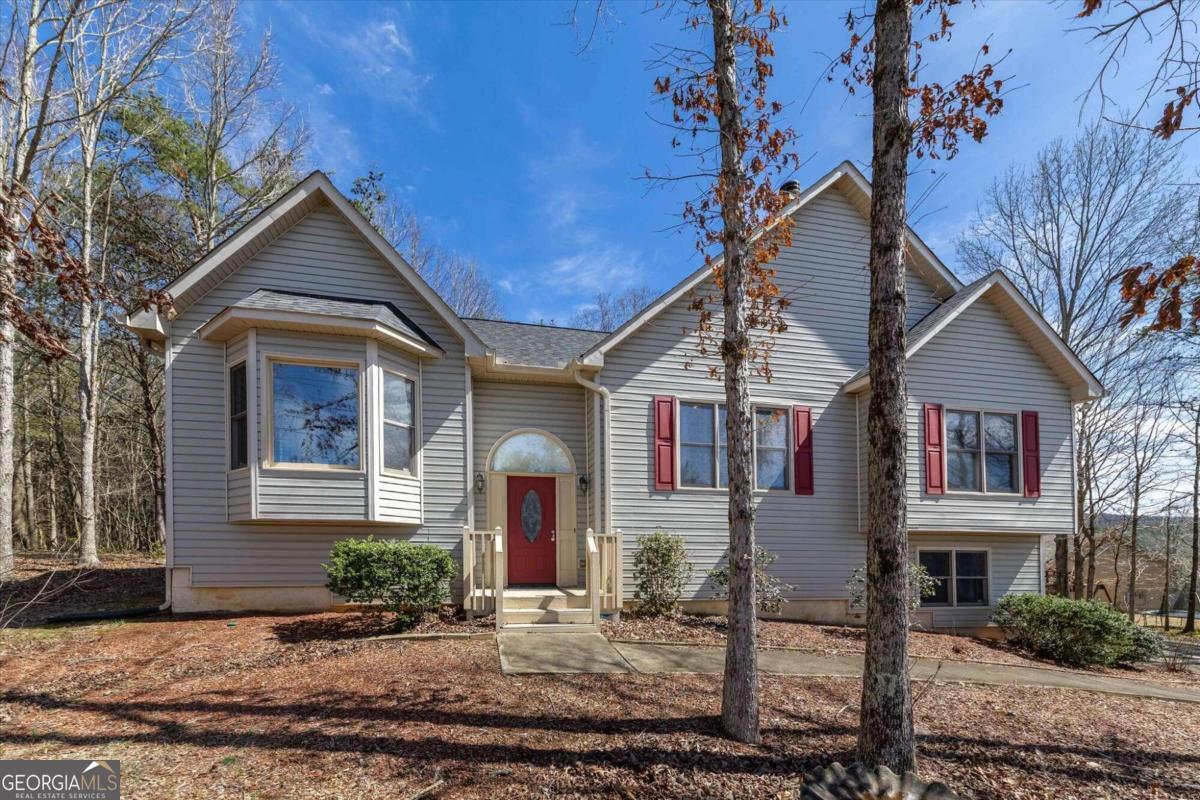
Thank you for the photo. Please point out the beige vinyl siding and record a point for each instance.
(979, 361)
(1012, 561)
(500, 408)
(321, 254)
(824, 273)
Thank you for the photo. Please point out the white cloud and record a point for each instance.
(324, 89)
(605, 269)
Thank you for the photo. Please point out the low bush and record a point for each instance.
(661, 570)
(1078, 632)
(768, 590)
(409, 580)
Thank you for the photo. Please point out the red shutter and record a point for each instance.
(935, 451)
(664, 443)
(1031, 454)
(803, 453)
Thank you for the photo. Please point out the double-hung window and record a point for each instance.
(961, 577)
(981, 460)
(704, 455)
(399, 431)
(315, 412)
(238, 426)
(771, 448)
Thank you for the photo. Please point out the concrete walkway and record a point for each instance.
(534, 653)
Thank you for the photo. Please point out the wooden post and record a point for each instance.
(468, 573)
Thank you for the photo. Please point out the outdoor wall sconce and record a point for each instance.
(585, 483)
(479, 482)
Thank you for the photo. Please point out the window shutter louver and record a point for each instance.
(664, 443)
(935, 451)
(803, 452)
(1031, 454)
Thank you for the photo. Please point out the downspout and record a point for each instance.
(606, 448)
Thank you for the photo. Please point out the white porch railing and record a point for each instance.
(483, 571)
(608, 571)
(485, 574)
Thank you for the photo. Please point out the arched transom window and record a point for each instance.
(531, 451)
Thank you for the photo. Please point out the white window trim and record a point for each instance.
(269, 462)
(414, 463)
(789, 463)
(983, 490)
(229, 366)
(954, 551)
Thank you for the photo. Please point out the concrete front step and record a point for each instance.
(547, 616)
(544, 599)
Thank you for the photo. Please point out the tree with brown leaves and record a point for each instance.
(889, 62)
(722, 114)
(1172, 292)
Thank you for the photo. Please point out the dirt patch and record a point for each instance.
(46, 585)
(194, 707)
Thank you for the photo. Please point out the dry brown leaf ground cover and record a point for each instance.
(284, 707)
(47, 584)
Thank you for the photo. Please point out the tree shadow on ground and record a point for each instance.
(334, 721)
(33, 598)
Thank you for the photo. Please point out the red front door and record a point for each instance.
(530, 535)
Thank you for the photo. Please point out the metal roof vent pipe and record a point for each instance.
(790, 190)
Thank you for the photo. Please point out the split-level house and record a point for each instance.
(317, 388)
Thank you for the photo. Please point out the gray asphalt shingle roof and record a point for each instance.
(352, 308)
(533, 345)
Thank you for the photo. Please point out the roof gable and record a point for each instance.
(845, 178)
(1045, 341)
(313, 192)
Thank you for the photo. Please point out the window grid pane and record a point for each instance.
(238, 402)
(963, 451)
(314, 414)
(937, 564)
(1000, 446)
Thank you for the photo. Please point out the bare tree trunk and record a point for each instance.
(89, 323)
(31, 525)
(1077, 584)
(52, 510)
(1091, 556)
(1189, 626)
(1061, 565)
(886, 728)
(1165, 605)
(739, 697)
(1133, 544)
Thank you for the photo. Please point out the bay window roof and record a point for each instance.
(295, 311)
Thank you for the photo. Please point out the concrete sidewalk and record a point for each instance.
(535, 653)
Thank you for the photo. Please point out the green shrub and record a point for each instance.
(768, 590)
(1147, 645)
(406, 579)
(1077, 632)
(661, 570)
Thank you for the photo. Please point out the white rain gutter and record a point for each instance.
(606, 450)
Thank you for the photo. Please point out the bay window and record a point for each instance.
(314, 415)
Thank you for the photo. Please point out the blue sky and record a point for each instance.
(528, 157)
